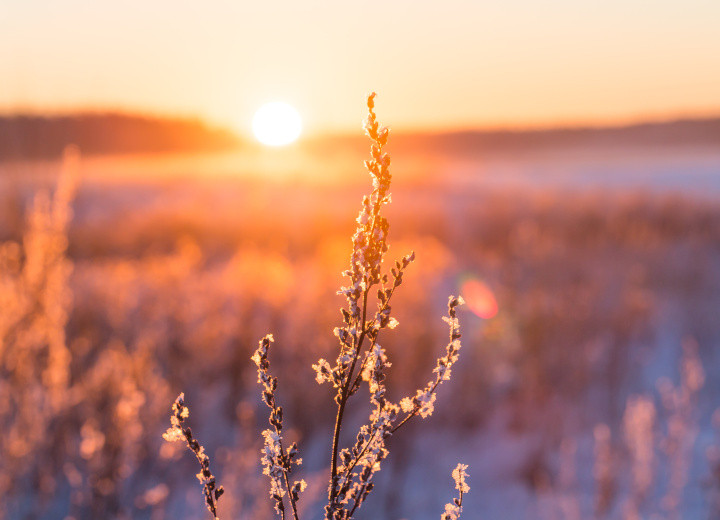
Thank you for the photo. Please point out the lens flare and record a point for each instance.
(479, 298)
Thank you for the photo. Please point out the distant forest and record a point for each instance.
(688, 132)
(38, 137)
(702, 133)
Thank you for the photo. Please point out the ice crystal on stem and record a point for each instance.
(177, 432)
(453, 510)
(277, 462)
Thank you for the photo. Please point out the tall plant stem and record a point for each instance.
(343, 402)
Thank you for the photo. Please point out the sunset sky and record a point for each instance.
(436, 65)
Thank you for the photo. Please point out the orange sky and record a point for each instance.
(436, 65)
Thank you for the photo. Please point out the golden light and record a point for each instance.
(276, 124)
(479, 298)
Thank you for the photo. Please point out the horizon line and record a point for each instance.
(419, 130)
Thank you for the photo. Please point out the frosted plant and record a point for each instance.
(638, 424)
(34, 357)
(360, 360)
(177, 432)
(453, 510)
(680, 403)
(277, 462)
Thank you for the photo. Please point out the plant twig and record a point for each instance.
(177, 432)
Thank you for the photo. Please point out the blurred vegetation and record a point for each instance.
(173, 284)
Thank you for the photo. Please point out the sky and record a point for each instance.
(436, 66)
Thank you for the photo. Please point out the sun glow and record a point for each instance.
(276, 124)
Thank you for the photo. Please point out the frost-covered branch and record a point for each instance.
(361, 358)
(277, 462)
(453, 510)
(177, 432)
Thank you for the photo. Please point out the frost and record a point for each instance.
(459, 475)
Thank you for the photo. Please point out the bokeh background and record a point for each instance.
(557, 164)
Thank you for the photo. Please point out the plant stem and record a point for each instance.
(343, 401)
(292, 502)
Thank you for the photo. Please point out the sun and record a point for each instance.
(276, 124)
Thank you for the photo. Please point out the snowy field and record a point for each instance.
(589, 375)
